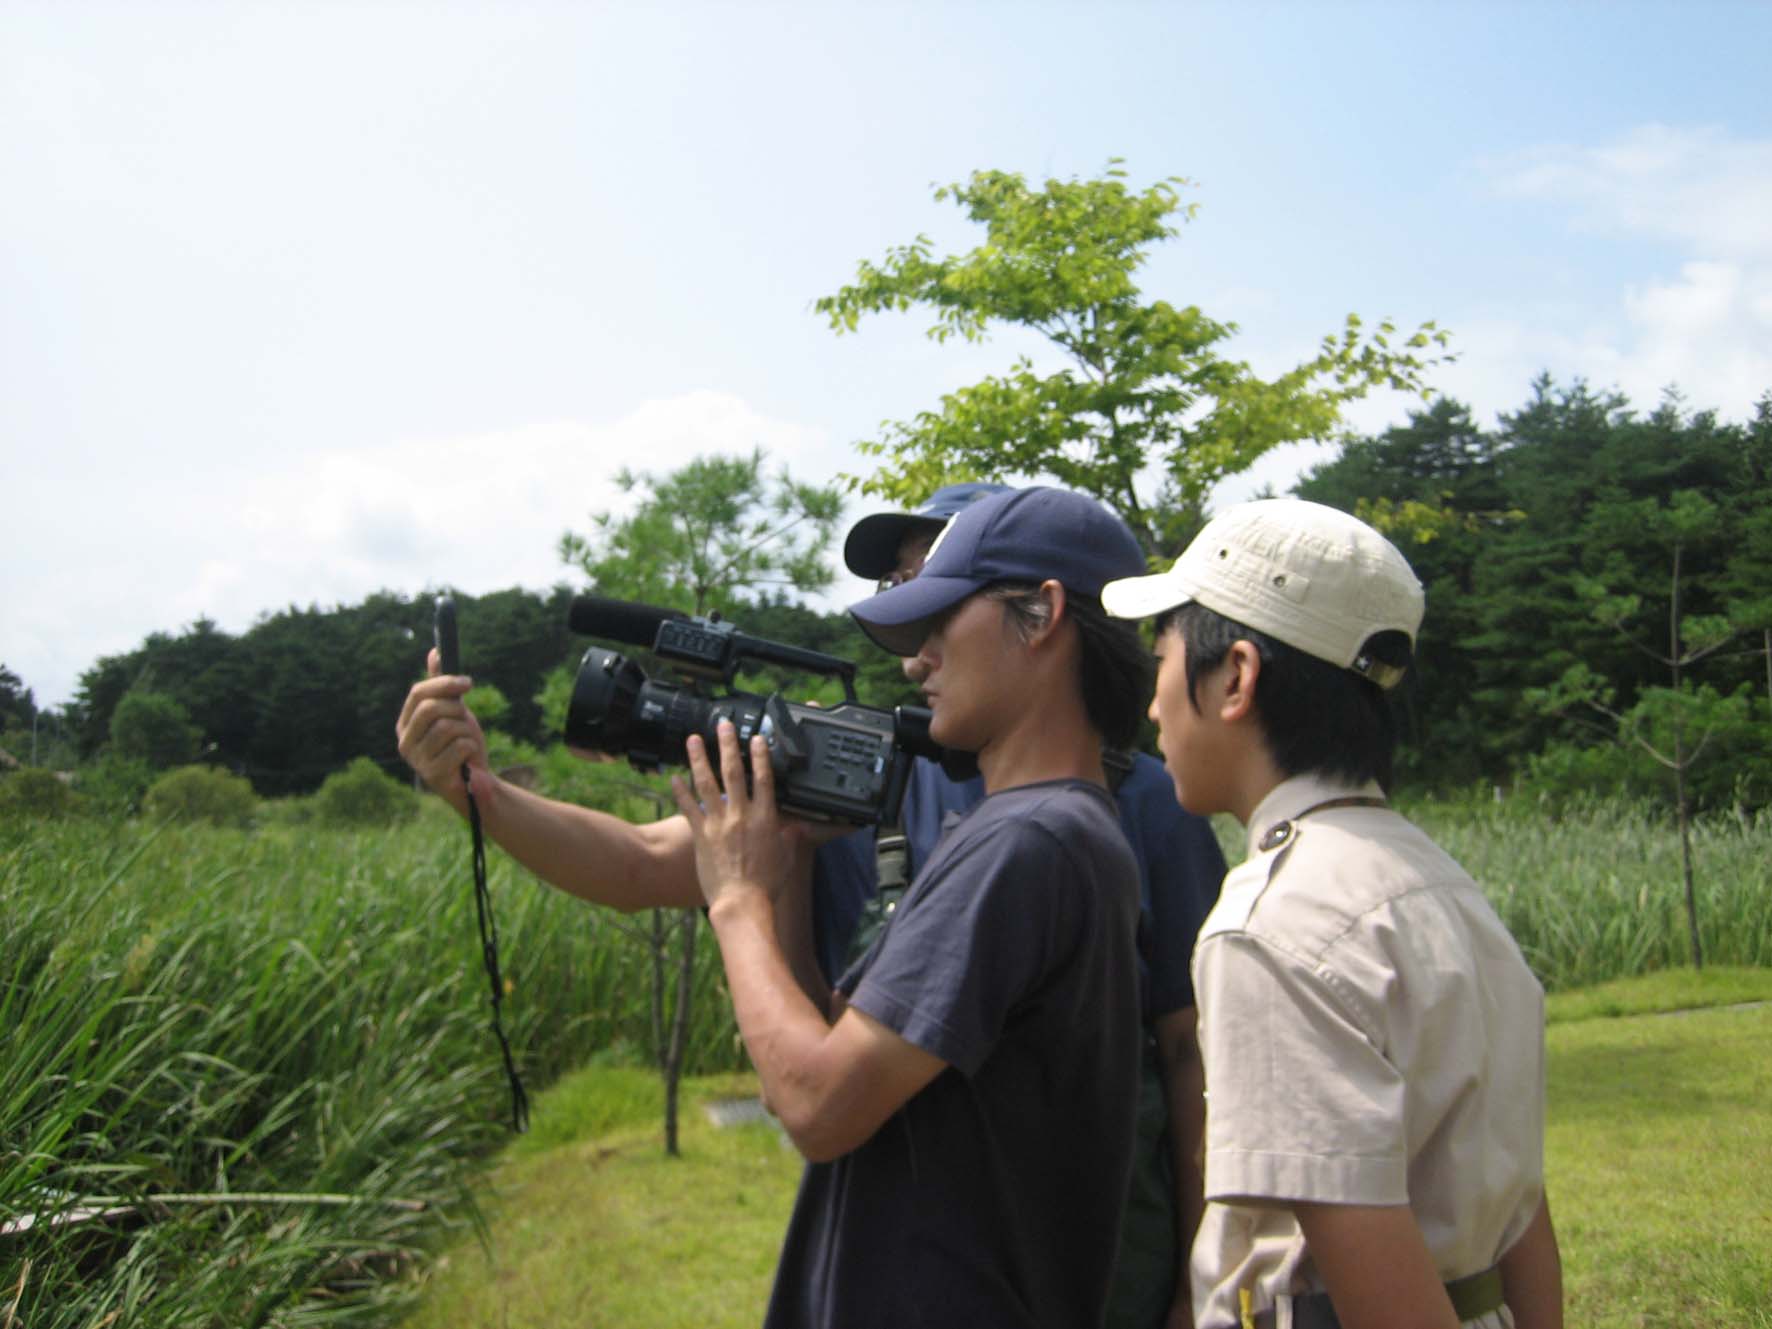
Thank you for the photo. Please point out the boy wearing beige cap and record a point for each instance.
(1373, 1040)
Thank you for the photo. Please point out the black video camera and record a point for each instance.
(846, 763)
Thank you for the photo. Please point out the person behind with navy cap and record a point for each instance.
(1373, 1038)
(858, 881)
(965, 1100)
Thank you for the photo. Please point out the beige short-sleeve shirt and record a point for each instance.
(1371, 1035)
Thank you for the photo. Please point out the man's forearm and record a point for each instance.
(591, 854)
(784, 1032)
(831, 1084)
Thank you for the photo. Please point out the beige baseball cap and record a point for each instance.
(1305, 574)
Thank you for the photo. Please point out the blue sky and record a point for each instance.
(302, 301)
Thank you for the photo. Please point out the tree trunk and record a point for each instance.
(673, 1065)
(659, 940)
(1686, 855)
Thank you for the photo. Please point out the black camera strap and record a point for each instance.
(892, 877)
(489, 954)
(892, 852)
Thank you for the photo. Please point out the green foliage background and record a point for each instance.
(1531, 538)
(305, 691)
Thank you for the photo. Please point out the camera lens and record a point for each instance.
(601, 714)
(616, 709)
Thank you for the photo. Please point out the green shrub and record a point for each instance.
(34, 792)
(114, 786)
(363, 795)
(201, 793)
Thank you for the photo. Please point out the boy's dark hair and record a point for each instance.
(1316, 718)
(1115, 669)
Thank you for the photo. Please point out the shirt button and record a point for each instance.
(1275, 836)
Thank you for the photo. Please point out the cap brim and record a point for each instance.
(871, 549)
(899, 619)
(1141, 597)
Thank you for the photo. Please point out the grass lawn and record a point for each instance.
(1660, 1163)
(592, 1225)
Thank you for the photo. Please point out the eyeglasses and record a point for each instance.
(897, 577)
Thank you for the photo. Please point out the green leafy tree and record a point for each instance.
(32, 735)
(712, 535)
(1506, 525)
(1143, 388)
(151, 727)
(17, 706)
(720, 527)
(305, 690)
(1672, 724)
(1747, 582)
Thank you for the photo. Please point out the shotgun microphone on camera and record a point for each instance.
(619, 620)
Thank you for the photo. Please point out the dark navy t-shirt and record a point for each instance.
(1180, 867)
(993, 1196)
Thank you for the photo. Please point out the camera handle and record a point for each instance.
(449, 662)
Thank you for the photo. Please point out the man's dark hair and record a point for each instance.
(1115, 668)
(1316, 718)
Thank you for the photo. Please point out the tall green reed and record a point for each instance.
(222, 1013)
(1595, 892)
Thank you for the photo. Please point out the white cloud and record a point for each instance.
(1705, 325)
(1706, 329)
(485, 511)
(1700, 187)
(478, 513)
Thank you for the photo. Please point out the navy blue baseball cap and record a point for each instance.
(1019, 535)
(871, 550)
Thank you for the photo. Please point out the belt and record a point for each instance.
(1475, 1295)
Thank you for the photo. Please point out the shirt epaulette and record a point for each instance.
(1245, 883)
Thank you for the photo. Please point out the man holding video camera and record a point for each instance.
(858, 882)
(612, 862)
(966, 1098)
